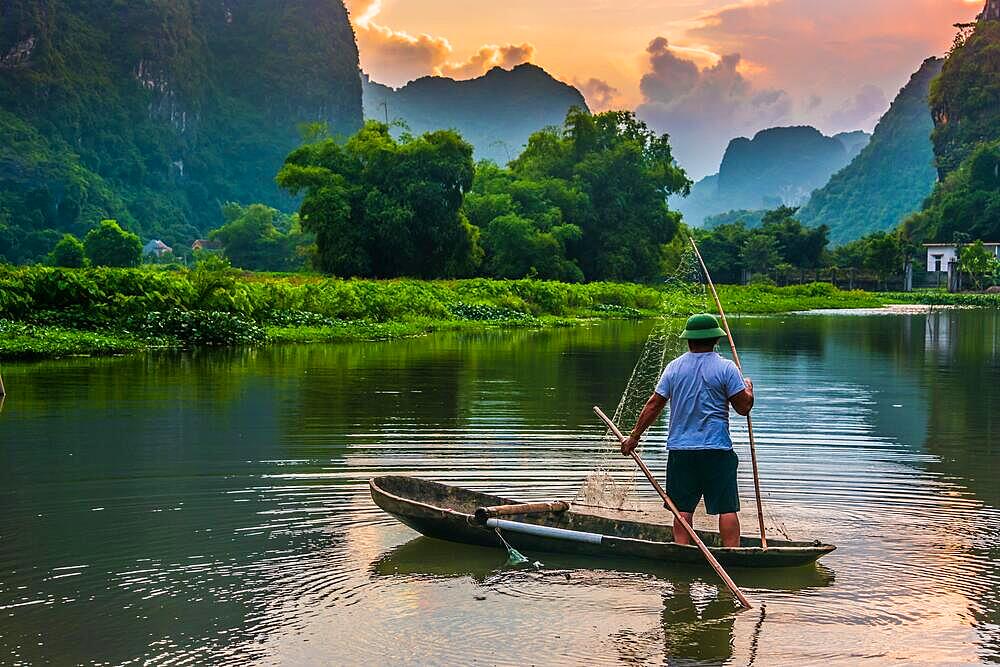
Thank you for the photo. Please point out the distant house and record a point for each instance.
(156, 248)
(940, 255)
(942, 260)
(206, 244)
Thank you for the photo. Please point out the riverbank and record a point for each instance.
(50, 312)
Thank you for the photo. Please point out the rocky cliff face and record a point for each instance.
(991, 12)
(157, 112)
(965, 99)
(496, 112)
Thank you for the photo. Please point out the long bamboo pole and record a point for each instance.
(737, 593)
(736, 358)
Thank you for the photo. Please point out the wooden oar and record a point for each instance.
(677, 515)
(736, 358)
(496, 511)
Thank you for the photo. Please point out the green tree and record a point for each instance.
(626, 172)
(966, 201)
(978, 263)
(800, 246)
(722, 249)
(260, 238)
(68, 253)
(385, 208)
(524, 224)
(760, 253)
(780, 241)
(518, 248)
(883, 255)
(110, 245)
(850, 256)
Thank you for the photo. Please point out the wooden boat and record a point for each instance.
(449, 513)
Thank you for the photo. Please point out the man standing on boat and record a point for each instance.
(700, 385)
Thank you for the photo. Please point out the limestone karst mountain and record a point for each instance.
(779, 166)
(496, 112)
(156, 113)
(891, 177)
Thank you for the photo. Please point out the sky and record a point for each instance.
(703, 71)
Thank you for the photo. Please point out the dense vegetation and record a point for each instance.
(385, 208)
(891, 176)
(261, 238)
(50, 311)
(779, 247)
(966, 203)
(496, 112)
(155, 113)
(964, 206)
(779, 166)
(525, 224)
(587, 201)
(750, 219)
(965, 99)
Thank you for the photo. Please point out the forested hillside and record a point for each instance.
(496, 112)
(779, 166)
(854, 142)
(965, 100)
(891, 176)
(157, 113)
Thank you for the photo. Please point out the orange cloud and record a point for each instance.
(384, 50)
(817, 42)
(395, 56)
(600, 94)
(487, 57)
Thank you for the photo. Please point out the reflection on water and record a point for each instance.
(213, 507)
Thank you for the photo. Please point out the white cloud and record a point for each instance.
(702, 109)
(860, 111)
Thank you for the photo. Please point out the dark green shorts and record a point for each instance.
(693, 473)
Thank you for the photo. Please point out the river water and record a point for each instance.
(212, 507)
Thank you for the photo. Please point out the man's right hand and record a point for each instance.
(629, 444)
(743, 401)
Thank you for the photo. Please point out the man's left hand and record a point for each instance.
(629, 444)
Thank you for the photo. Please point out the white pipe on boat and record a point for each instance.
(545, 531)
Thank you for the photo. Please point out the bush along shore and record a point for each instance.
(51, 312)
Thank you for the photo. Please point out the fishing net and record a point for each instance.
(613, 482)
(515, 557)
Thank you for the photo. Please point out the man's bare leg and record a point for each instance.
(729, 529)
(680, 535)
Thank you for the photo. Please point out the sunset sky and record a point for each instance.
(702, 70)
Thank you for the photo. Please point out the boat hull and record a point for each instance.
(446, 512)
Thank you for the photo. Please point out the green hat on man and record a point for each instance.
(700, 327)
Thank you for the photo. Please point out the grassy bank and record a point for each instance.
(48, 312)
